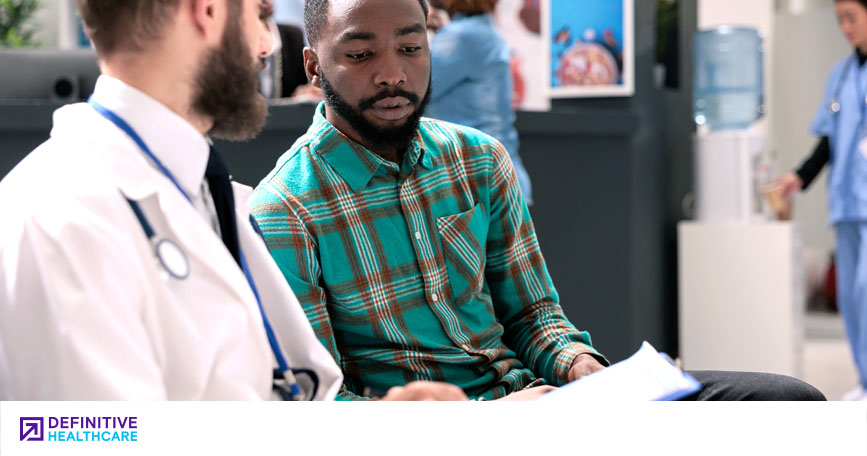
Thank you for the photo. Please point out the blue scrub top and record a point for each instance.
(847, 183)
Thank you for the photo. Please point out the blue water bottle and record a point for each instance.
(728, 78)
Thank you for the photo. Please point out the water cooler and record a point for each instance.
(741, 299)
(730, 160)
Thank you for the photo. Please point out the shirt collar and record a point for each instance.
(181, 148)
(355, 163)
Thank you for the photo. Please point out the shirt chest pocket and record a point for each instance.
(463, 242)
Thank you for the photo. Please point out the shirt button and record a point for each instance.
(418, 235)
(435, 297)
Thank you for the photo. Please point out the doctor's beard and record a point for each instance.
(227, 88)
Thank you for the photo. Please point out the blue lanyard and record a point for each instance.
(294, 389)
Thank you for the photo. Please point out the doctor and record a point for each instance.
(129, 268)
(841, 125)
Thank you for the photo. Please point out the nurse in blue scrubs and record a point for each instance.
(841, 125)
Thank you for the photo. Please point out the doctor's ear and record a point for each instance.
(207, 18)
(311, 66)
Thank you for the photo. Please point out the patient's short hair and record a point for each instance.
(316, 13)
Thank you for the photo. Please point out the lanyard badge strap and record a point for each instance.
(295, 390)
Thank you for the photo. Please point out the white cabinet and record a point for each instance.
(741, 297)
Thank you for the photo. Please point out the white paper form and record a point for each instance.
(644, 376)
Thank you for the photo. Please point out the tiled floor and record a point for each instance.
(827, 360)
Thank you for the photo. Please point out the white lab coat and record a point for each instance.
(86, 312)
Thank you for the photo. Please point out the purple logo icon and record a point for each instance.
(31, 428)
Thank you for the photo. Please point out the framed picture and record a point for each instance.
(589, 48)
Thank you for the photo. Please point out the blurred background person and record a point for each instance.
(289, 18)
(840, 125)
(471, 76)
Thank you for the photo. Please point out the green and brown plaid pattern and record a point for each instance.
(426, 271)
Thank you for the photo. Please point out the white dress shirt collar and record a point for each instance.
(181, 148)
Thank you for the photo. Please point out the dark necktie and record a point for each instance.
(224, 202)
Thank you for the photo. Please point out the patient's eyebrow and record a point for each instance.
(403, 31)
(351, 36)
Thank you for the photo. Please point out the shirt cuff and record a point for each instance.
(563, 361)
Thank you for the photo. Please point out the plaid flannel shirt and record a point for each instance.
(426, 271)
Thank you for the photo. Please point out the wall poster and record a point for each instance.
(589, 48)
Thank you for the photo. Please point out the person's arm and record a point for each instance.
(295, 251)
(524, 297)
(801, 178)
(822, 126)
(72, 326)
(813, 165)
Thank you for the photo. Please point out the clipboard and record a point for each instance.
(647, 375)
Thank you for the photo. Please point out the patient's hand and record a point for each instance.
(425, 391)
(584, 364)
(528, 394)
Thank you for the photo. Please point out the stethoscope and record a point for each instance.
(176, 264)
(170, 256)
(834, 104)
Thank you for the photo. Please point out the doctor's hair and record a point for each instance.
(316, 14)
(469, 7)
(129, 25)
(126, 25)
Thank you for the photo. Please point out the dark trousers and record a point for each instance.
(751, 386)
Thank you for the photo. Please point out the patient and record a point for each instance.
(407, 240)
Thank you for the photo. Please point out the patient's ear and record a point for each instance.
(311, 66)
